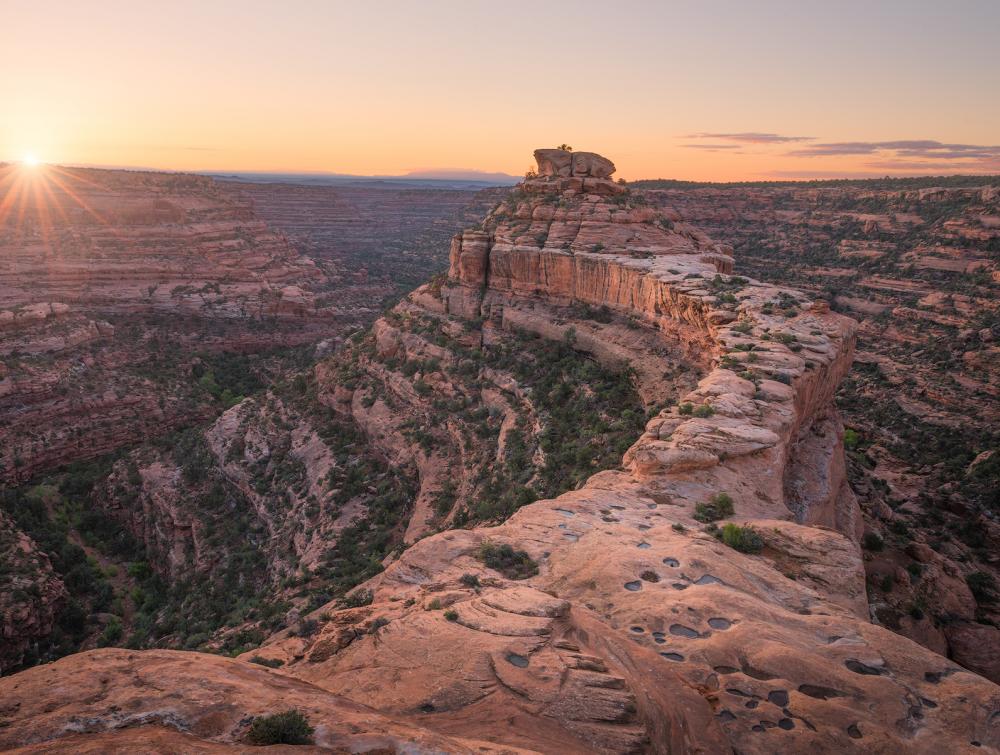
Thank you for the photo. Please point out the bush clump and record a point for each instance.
(872, 541)
(288, 728)
(743, 539)
(719, 507)
(357, 599)
(469, 580)
(513, 564)
(269, 662)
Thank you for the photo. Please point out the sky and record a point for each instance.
(707, 90)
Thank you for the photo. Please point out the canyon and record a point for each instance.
(588, 492)
(917, 262)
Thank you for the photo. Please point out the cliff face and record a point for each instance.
(612, 617)
(31, 594)
(916, 263)
(109, 282)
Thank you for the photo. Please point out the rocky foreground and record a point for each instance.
(708, 596)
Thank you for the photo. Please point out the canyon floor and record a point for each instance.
(651, 468)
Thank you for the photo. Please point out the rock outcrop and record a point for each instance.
(607, 619)
(915, 262)
(31, 594)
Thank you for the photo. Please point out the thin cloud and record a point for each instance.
(926, 149)
(752, 137)
(711, 147)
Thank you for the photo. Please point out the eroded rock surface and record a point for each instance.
(613, 622)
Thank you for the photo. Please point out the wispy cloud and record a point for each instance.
(711, 147)
(925, 149)
(751, 137)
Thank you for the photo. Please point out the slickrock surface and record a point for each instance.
(630, 628)
(167, 701)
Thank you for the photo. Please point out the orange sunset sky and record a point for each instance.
(695, 90)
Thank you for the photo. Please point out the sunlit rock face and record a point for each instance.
(616, 621)
(104, 272)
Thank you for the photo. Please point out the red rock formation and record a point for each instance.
(31, 594)
(623, 626)
(173, 261)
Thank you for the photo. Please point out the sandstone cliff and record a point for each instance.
(915, 260)
(608, 618)
(110, 281)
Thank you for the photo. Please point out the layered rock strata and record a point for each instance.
(613, 621)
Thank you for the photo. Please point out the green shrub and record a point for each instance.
(982, 585)
(451, 615)
(686, 408)
(288, 728)
(469, 580)
(744, 327)
(357, 599)
(269, 662)
(704, 411)
(851, 439)
(513, 564)
(872, 541)
(112, 633)
(743, 539)
(719, 507)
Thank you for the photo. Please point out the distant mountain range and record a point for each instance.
(429, 179)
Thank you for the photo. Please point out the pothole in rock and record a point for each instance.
(756, 673)
(671, 562)
(778, 697)
(819, 692)
(659, 638)
(863, 668)
(680, 586)
(564, 512)
(682, 631)
(787, 724)
(719, 623)
(726, 716)
(571, 537)
(725, 669)
(517, 660)
(853, 731)
(637, 630)
(673, 656)
(708, 579)
(634, 586)
(644, 546)
(649, 576)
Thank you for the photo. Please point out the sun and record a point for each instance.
(29, 160)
